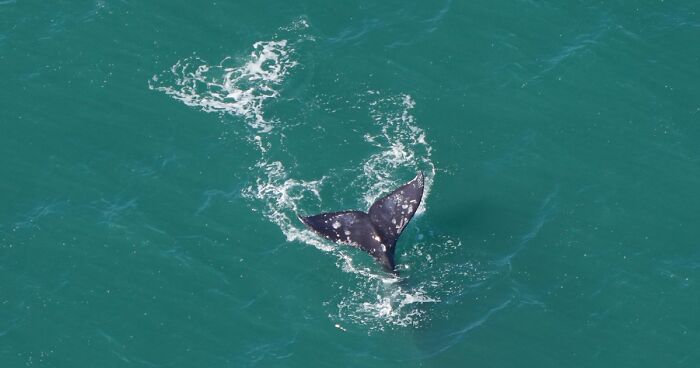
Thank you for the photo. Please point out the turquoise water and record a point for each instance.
(153, 158)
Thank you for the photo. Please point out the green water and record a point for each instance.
(153, 157)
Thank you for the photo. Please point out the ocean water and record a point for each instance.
(153, 158)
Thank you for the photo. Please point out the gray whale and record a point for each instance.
(376, 231)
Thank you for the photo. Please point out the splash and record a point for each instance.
(280, 196)
(379, 302)
(374, 300)
(392, 305)
(240, 90)
(401, 144)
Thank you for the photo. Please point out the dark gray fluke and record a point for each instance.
(377, 231)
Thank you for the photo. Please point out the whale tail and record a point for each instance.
(377, 231)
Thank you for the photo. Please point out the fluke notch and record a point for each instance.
(377, 231)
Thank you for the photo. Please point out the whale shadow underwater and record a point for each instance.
(377, 230)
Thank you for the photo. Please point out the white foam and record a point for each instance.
(298, 24)
(381, 306)
(375, 300)
(402, 145)
(280, 196)
(244, 89)
(240, 90)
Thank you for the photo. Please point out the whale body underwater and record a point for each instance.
(376, 231)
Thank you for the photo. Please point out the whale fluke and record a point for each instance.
(377, 231)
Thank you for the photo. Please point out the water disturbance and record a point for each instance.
(154, 159)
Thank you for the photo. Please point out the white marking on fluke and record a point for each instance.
(374, 231)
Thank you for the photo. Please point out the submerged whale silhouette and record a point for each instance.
(376, 231)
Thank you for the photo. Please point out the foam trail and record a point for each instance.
(280, 196)
(238, 90)
(402, 145)
(375, 300)
(244, 89)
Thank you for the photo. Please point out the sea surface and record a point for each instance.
(154, 156)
